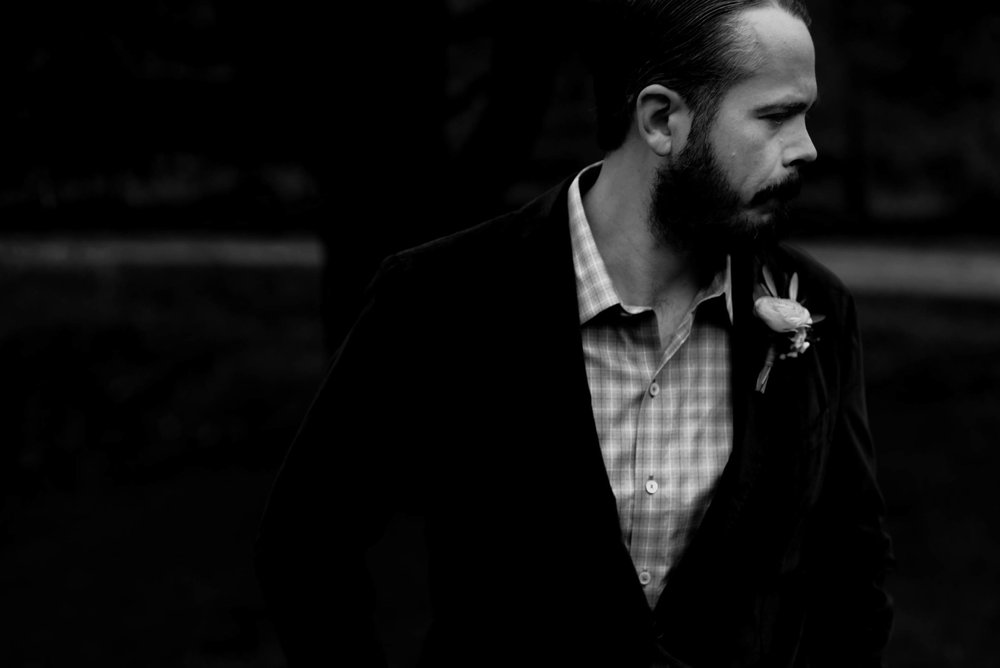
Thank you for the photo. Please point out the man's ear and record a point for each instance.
(663, 119)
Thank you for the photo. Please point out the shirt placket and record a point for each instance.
(654, 510)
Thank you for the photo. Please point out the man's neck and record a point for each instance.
(643, 270)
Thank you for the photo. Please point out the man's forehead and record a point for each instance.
(782, 66)
(773, 30)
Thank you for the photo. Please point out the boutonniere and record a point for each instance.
(787, 318)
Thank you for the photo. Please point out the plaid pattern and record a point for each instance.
(663, 411)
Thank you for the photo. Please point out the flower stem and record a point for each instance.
(765, 372)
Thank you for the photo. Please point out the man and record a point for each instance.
(619, 460)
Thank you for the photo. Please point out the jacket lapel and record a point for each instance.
(722, 533)
(549, 280)
(700, 600)
(548, 276)
(755, 496)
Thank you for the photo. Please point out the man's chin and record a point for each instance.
(750, 231)
(766, 213)
(766, 219)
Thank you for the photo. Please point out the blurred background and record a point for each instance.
(194, 192)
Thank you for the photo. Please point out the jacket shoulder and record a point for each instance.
(485, 251)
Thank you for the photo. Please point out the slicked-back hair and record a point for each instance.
(693, 47)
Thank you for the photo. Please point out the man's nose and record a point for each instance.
(802, 151)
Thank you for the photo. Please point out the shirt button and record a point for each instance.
(652, 486)
(654, 389)
(645, 578)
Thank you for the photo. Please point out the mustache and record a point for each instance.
(785, 190)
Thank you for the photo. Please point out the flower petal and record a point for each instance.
(781, 315)
(793, 287)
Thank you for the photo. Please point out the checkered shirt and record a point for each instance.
(662, 409)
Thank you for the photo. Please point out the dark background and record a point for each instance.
(192, 194)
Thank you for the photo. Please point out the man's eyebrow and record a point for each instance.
(787, 107)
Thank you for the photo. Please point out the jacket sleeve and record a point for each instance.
(330, 501)
(850, 614)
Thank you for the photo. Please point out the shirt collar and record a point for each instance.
(595, 293)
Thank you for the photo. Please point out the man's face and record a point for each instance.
(730, 182)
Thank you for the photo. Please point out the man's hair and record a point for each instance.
(694, 47)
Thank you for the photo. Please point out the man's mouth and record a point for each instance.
(778, 193)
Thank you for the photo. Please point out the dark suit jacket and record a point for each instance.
(461, 394)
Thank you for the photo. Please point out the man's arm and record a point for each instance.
(850, 614)
(330, 502)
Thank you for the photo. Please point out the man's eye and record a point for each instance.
(779, 117)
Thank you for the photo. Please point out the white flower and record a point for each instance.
(782, 315)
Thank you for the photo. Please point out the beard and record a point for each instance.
(694, 208)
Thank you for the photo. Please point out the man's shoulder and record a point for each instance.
(488, 247)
